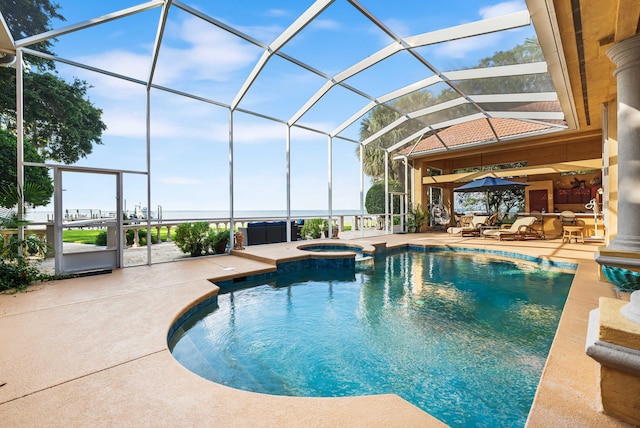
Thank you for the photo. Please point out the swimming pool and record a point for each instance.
(462, 336)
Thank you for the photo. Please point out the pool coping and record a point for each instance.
(126, 375)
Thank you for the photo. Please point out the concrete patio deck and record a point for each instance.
(92, 351)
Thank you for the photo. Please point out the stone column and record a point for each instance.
(620, 260)
(613, 338)
(626, 56)
(136, 237)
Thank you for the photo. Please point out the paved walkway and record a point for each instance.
(93, 351)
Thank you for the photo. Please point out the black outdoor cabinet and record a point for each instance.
(269, 232)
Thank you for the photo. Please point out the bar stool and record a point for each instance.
(568, 222)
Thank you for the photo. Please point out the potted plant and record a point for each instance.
(416, 218)
(220, 241)
(325, 228)
(192, 238)
(33, 245)
(396, 226)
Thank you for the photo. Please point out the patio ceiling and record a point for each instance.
(553, 168)
(7, 49)
(582, 32)
(405, 64)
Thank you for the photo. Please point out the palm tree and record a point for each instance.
(378, 118)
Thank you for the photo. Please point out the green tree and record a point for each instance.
(38, 185)
(381, 116)
(528, 52)
(61, 122)
(374, 153)
(374, 201)
(28, 17)
(506, 201)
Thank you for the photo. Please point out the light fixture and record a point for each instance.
(7, 60)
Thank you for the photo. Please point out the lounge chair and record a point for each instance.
(472, 228)
(520, 229)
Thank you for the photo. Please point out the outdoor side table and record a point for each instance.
(572, 232)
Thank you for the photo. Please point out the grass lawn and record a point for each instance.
(80, 236)
(88, 236)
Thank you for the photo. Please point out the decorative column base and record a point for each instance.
(621, 268)
(614, 342)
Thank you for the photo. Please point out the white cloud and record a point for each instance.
(261, 132)
(104, 86)
(168, 120)
(325, 24)
(322, 126)
(124, 123)
(210, 54)
(277, 13)
(205, 53)
(502, 9)
(121, 62)
(256, 133)
(463, 47)
(398, 26)
(459, 49)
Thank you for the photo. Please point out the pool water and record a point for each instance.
(463, 337)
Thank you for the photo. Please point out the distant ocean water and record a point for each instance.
(43, 216)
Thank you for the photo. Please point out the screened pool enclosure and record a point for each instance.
(272, 110)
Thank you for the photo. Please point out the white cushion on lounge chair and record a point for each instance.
(518, 228)
(474, 225)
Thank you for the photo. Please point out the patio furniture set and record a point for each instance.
(522, 228)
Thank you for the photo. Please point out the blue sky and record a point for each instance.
(189, 139)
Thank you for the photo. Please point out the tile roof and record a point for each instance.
(479, 131)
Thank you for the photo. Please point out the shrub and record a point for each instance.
(16, 271)
(194, 238)
(19, 274)
(101, 239)
(313, 228)
(374, 201)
